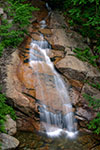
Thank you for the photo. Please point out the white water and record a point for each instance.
(54, 123)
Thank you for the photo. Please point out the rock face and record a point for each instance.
(22, 82)
(16, 90)
(8, 142)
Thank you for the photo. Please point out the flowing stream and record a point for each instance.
(54, 122)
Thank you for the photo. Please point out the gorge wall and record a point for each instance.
(20, 81)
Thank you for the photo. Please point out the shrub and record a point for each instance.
(86, 55)
(95, 104)
(12, 33)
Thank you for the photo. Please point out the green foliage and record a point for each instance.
(95, 124)
(86, 55)
(96, 85)
(85, 17)
(95, 104)
(21, 13)
(12, 32)
(4, 110)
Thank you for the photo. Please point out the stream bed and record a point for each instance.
(38, 141)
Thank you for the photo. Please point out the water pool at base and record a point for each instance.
(38, 141)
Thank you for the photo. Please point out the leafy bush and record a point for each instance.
(95, 103)
(85, 13)
(4, 110)
(13, 31)
(86, 55)
(85, 17)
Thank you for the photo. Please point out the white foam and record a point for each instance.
(71, 134)
(43, 24)
(55, 133)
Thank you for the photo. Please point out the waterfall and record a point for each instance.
(56, 113)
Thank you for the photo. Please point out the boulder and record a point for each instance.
(75, 69)
(72, 68)
(8, 142)
(10, 126)
(58, 39)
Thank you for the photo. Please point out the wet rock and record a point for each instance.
(26, 123)
(25, 85)
(8, 142)
(58, 47)
(36, 36)
(10, 125)
(56, 55)
(46, 31)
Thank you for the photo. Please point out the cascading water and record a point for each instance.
(54, 121)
